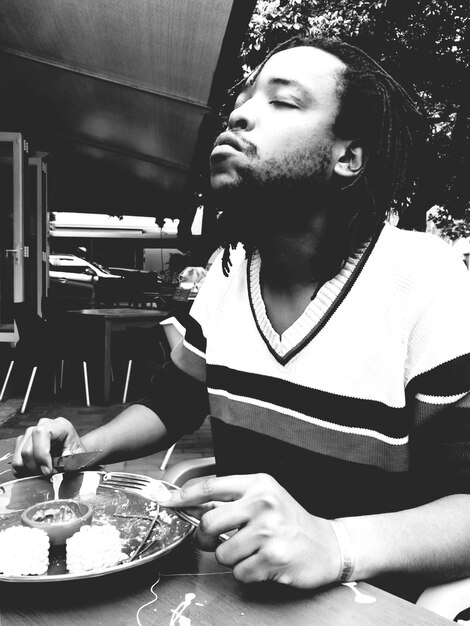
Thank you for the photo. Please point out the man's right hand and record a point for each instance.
(33, 451)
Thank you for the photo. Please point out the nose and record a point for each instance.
(241, 118)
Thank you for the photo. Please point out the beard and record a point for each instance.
(272, 196)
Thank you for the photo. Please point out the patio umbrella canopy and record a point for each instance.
(120, 93)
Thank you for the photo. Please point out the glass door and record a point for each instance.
(13, 150)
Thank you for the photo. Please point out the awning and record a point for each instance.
(120, 93)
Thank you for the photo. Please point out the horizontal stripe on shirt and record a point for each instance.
(347, 443)
(341, 410)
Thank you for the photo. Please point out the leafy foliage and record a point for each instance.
(424, 45)
(449, 227)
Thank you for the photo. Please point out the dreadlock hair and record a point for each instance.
(377, 112)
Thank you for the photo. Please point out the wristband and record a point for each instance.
(345, 549)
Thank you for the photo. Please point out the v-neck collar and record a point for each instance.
(317, 313)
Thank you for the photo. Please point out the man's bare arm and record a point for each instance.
(137, 431)
(430, 540)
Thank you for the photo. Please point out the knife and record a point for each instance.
(75, 462)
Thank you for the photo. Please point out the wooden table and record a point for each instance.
(214, 597)
(102, 323)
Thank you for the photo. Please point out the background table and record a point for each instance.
(102, 323)
(217, 599)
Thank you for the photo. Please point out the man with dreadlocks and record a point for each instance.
(329, 346)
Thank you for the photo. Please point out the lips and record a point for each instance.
(228, 139)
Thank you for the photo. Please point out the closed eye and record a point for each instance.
(284, 103)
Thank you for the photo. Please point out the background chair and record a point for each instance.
(147, 345)
(72, 348)
(451, 600)
(33, 349)
(184, 471)
(64, 343)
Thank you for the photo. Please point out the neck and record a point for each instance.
(295, 260)
(290, 271)
(301, 242)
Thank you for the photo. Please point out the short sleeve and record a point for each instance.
(179, 400)
(439, 387)
(439, 343)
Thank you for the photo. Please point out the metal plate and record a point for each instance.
(126, 509)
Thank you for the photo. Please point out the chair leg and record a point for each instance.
(164, 354)
(128, 376)
(7, 377)
(28, 391)
(85, 378)
(56, 381)
(168, 454)
(61, 379)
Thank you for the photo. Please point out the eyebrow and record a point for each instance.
(287, 82)
(250, 82)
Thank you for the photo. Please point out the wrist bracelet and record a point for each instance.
(345, 549)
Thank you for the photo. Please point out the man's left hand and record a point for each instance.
(276, 538)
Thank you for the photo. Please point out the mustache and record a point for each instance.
(236, 141)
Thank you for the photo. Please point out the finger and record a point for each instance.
(41, 450)
(239, 547)
(198, 511)
(222, 519)
(22, 453)
(58, 435)
(59, 429)
(272, 561)
(17, 459)
(225, 489)
(32, 453)
(19, 443)
(255, 569)
(250, 570)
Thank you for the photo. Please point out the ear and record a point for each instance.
(351, 160)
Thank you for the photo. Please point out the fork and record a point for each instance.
(148, 487)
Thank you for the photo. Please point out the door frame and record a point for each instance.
(19, 154)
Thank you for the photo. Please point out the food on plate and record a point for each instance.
(23, 551)
(50, 514)
(60, 519)
(94, 547)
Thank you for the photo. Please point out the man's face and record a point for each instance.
(280, 131)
